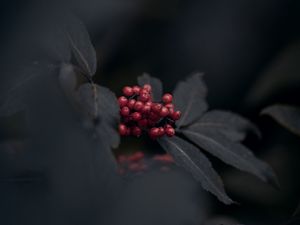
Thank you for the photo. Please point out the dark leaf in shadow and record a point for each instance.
(81, 45)
(189, 157)
(189, 98)
(232, 125)
(100, 106)
(16, 89)
(286, 116)
(230, 152)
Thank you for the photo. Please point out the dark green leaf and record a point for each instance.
(189, 98)
(157, 88)
(230, 152)
(286, 116)
(190, 158)
(231, 125)
(81, 45)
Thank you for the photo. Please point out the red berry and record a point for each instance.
(127, 91)
(167, 125)
(146, 109)
(161, 131)
(147, 87)
(171, 111)
(131, 103)
(154, 132)
(138, 106)
(149, 103)
(167, 98)
(176, 115)
(122, 101)
(170, 132)
(136, 116)
(144, 96)
(156, 107)
(125, 111)
(164, 112)
(154, 117)
(169, 106)
(122, 129)
(136, 131)
(136, 89)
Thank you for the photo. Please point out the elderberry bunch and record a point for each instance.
(140, 114)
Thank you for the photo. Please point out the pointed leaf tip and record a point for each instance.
(287, 116)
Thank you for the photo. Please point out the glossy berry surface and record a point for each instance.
(140, 115)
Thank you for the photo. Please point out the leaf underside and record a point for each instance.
(232, 153)
(190, 99)
(189, 157)
(287, 116)
(157, 88)
(232, 125)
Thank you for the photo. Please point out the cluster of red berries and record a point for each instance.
(140, 114)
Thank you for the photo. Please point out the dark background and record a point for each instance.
(249, 52)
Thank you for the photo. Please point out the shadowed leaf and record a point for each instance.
(233, 126)
(81, 45)
(16, 89)
(189, 157)
(286, 116)
(100, 105)
(230, 152)
(297, 211)
(189, 98)
(157, 88)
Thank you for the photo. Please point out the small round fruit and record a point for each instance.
(154, 132)
(131, 103)
(136, 89)
(147, 87)
(122, 129)
(144, 96)
(125, 111)
(122, 101)
(138, 106)
(136, 116)
(170, 132)
(128, 91)
(167, 98)
(161, 131)
(156, 107)
(146, 109)
(169, 106)
(176, 115)
(164, 112)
